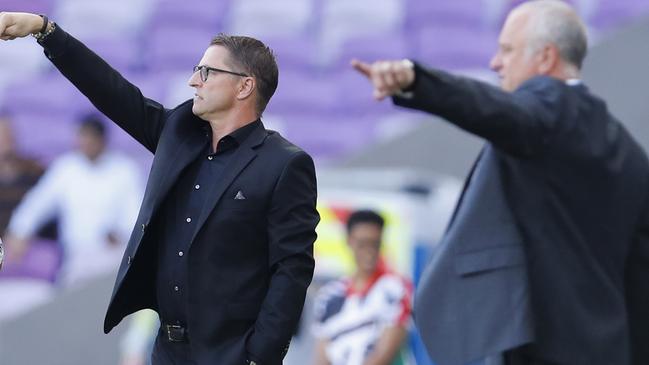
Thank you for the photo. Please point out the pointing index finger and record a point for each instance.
(362, 67)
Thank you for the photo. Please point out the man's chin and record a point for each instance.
(506, 87)
(197, 111)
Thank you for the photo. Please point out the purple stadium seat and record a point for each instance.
(293, 53)
(46, 94)
(331, 136)
(611, 13)
(373, 48)
(423, 13)
(173, 48)
(355, 94)
(42, 261)
(45, 135)
(260, 18)
(205, 14)
(122, 54)
(362, 17)
(303, 92)
(455, 47)
(31, 6)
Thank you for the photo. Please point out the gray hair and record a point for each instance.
(555, 22)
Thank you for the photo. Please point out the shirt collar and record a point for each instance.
(573, 82)
(242, 133)
(235, 138)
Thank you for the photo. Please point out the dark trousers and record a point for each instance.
(519, 356)
(514, 358)
(170, 353)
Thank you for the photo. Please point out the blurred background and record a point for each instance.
(409, 166)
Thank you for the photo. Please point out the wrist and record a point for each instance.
(47, 27)
(410, 79)
(36, 23)
(411, 82)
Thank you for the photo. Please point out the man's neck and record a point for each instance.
(94, 159)
(360, 279)
(566, 72)
(225, 125)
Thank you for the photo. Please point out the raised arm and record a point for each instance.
(111, 93)
(521, 122)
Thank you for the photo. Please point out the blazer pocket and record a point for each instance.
(243, 310)
(245, 205)
(489, 259)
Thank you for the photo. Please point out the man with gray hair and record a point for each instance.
(546, 257)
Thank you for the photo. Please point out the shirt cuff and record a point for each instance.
(405, 94)
(54, 44)
(409, 92)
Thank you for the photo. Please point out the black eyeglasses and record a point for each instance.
(205, 71)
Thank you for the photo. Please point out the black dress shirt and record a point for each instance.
(177, 221)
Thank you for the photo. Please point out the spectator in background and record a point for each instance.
(17, 173)
(136, 344)
(94, 193)
(363, 319)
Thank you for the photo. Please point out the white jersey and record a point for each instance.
(351, 321)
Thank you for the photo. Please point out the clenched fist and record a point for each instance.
(18, 25)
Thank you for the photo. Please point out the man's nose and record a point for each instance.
(495, 64)
(194, 80)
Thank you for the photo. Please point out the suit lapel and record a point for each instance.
(242, 157)
(466, 186)
(182, 156)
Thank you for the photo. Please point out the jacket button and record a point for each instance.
(143, 227)
(128, 262)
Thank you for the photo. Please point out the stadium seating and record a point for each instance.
(156, 42)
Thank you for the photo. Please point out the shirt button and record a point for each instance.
(180, 253)
(210, 158)
(197, 187)
(188, 220)
(176, 288)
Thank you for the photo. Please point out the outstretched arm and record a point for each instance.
(521, 122)
(111, 93)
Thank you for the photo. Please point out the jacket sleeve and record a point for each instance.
(522, 122)
(292, 221)
(111, 93)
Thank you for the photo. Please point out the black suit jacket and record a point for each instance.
(548, 245)
(250, 261)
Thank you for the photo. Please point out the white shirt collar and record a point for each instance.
(573, 82)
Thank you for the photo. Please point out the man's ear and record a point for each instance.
(246, 88)
(549, 59)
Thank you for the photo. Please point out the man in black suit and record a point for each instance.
(223, 245)
(546, 258)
